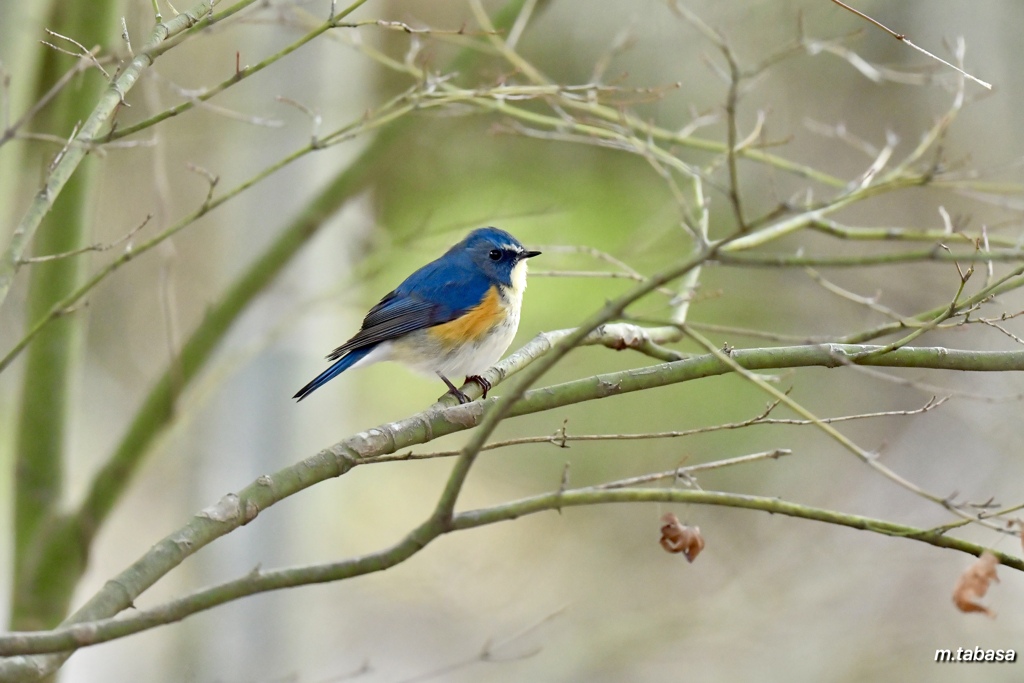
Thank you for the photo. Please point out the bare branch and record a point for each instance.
(259, 581)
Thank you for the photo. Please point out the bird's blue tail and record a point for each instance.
(339, 366)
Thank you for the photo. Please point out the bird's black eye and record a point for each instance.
(494, 255)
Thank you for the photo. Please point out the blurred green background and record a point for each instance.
(585, 595)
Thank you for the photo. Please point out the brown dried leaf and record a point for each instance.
(677, 537)
(973, 584)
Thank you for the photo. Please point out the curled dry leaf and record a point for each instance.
(973, 584)
(677, 537)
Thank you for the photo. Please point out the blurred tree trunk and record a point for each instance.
(43, 588)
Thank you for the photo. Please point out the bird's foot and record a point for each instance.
(484, 384)
(454, 390)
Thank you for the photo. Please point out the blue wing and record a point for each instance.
(435, 294)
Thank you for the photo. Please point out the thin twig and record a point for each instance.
(93, 247)
(903, 38)
(686, 473)
(82, 53)
(561, 438)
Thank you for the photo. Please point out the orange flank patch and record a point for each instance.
(477, 322)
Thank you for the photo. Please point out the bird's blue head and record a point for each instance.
(497, 254)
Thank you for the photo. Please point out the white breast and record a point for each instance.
(475, 357)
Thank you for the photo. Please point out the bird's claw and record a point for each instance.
(484, 384)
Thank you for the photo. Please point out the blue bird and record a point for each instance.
(454, 316)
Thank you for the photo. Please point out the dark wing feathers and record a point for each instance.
(435, 294)
(391, 318)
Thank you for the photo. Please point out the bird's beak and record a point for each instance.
(529, 254)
